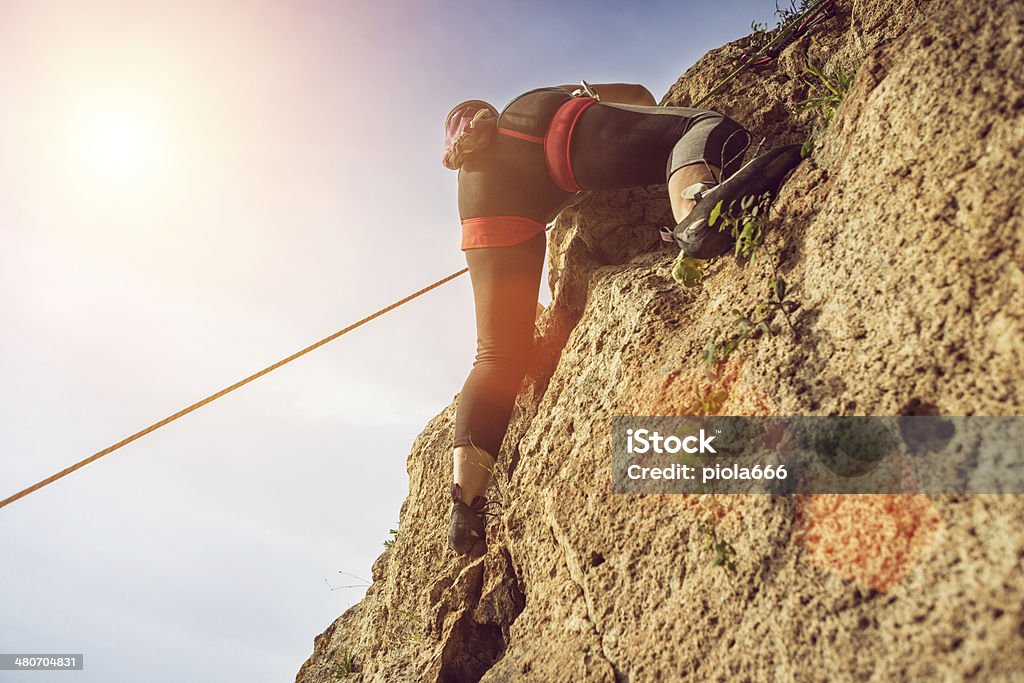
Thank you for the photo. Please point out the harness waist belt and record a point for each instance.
(497, 231)
(557, 140)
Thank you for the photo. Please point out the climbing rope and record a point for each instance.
(223, 392)
(787, 35)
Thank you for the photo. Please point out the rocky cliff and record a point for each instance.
(901, 240)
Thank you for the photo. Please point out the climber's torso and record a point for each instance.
(506, 194)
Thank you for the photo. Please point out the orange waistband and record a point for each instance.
(497, 231)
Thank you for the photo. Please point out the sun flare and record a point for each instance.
(118, 143)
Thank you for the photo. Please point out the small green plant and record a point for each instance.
(413, 626)
(788, 14)
(831, 88)
(747, 221)
(761, 35)
(723, 553)
(711, 396)
(777, 302)
(346, 665)
(758, 36)
(718, 351)
(752, 325)
(391, 541)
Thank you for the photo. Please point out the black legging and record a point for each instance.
(506, 282)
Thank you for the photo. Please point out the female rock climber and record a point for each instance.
(517, 170)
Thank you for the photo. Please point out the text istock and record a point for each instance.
(646, 441)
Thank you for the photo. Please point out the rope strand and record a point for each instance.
(223, 392)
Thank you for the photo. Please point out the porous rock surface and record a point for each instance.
(902, 242)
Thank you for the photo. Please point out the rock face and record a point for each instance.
(902, 242)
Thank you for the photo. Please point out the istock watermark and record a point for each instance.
(646, 441)
(818, 454)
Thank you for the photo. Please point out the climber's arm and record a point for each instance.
(620, 93)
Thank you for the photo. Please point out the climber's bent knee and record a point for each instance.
(713, 140)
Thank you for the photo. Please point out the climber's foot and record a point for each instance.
(467, 527)
(700, 240)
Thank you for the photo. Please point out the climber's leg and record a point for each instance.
(765, 174)
(472, 474)
(506, 282)
(471, 470)
(686, 177)
(617, 146)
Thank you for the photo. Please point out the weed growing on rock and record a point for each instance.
(761, 35)
(746, 220)
(778, 302)
(412, 626)
(391, 541)
(346, 666)
(711, 397)
(718, 350)
(831, 89)
(751, 325)
(723, 554)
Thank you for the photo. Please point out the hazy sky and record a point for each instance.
(190, 191)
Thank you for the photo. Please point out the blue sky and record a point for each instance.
(190, 191)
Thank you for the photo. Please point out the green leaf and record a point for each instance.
(687, 271)
(715, 213)
(808, 148)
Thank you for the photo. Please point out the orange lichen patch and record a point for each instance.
(871, 539)
(744, 398)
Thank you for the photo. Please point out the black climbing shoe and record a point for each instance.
(764, 174)
(466, 529)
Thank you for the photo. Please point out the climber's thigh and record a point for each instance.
(506, 283)
(617, 146)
